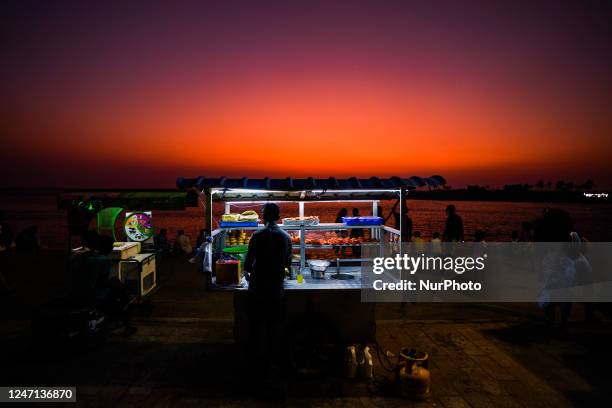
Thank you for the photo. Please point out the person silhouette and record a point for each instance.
(268, 256)
(339, 217)
(182, 243)
(453, 231)
(558, 265)
(6, 234)
(28, 241)
(407, 231)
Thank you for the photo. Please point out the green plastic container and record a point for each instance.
(238, 252)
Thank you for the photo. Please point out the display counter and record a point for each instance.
(329, 283)
(308, 284)
(329, 305)
(331, 240)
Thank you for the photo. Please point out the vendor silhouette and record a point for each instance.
(268, 255)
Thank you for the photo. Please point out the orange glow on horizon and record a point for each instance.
(474, 94)
(330, 128)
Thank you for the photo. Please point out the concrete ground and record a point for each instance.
(482, 355)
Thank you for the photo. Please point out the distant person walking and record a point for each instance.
(453, 231)
(558, 264)
(407, 231)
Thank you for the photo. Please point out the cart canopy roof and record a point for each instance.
(127, 199)
(288, 188)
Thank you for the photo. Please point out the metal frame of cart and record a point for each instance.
(330, 307)
(302, 191)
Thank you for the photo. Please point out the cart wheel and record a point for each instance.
(313, 346)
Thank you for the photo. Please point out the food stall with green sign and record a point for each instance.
(134, 258)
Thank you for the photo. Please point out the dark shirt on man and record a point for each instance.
(268, 256)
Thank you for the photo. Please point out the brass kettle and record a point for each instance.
(412, 374)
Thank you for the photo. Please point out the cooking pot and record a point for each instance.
(318, 268)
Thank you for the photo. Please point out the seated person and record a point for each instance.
(436, 244)
(182, 243)
(418, 242)
(90, 270)
(80, 290)
(110, 294)
(160, 241)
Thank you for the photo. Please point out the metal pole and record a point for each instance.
(403, 227)
(402, 205)
(207, 229)
(302, 248)
(208, 212)
(301, 208)
(375, 232)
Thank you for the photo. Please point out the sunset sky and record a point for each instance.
(138, 93)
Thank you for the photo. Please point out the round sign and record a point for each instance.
(138, 226)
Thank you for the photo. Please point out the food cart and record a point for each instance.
(134, 260)
(326, 312)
